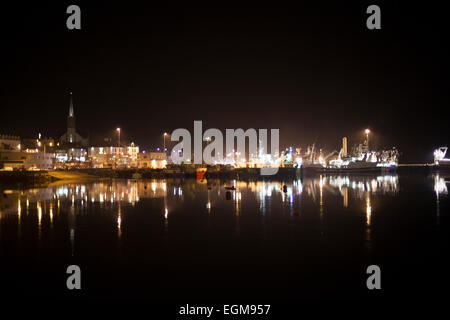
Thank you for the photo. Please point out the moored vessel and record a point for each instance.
(440, 161)
(361, 160)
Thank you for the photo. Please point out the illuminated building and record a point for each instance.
(16, 153)
(114, 157)
(154, 160)
(25, 160)
(9, 142)
(71, 150)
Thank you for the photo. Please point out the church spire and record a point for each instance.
(71, 106)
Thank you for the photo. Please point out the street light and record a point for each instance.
(118, 131)
(165, 134)
(118, 157)
(367, 131)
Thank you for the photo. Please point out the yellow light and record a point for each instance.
(118, 129)
(38, 205)
(367, 131)
(19, 146)
(368, 210)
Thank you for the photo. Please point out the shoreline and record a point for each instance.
(90, 174)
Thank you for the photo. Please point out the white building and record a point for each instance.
(153, 160)
(9, 142)
(71, 155)
(114, 157)
(26, 160)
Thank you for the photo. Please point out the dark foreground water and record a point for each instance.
(184, 240)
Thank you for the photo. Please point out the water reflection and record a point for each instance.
(440, 185)
(440, 189)
(119, 220)
(47, 207)
(132, 191)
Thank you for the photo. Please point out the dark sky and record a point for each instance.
(316, 73)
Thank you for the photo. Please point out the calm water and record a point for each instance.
(183, 239)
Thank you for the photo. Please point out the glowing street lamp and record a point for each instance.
(118, 132)
(165, 134)
(367, 131)
(118, 157)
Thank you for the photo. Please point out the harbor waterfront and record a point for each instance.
(263, 162)
(126, 160)
(295, 238)
(192, 171)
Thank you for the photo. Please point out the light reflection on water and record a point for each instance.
(68, 201)
(440, 188)
(130, 192)
(209, 237)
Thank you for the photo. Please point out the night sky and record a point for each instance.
(316, 73)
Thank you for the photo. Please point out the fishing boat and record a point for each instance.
(356, 165)
(440, 161)
(361, 160)
(351, 165)
(311, 164)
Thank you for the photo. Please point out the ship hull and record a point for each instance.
(367, 167)
(359, 170)
(442, 166)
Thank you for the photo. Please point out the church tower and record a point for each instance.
(71, 138)
(71, 132)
